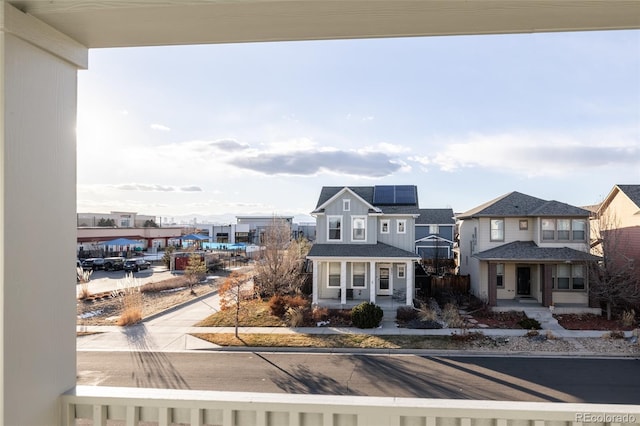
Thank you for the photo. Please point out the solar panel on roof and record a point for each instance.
(383, 194)
(405, 194)
(394, 194)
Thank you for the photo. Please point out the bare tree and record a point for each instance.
(279, 266)
(613, 281)
(232, 293)
(195, 270)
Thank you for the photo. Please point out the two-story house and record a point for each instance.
(435, 236)
(365, 241)
(615, 227)
(518, 246)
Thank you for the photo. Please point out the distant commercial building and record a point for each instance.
(117, 219)
(251, 229)
(95, 229)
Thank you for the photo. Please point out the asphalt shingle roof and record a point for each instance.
(435, 216)
(516, 204)
(529, 251)
(366, 193)
(379, 250)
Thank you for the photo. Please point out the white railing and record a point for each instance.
(164, 407)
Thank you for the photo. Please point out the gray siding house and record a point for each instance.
(522, 247)
(435, 234)
(365, 242)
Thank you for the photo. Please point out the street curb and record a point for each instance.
(421, 352)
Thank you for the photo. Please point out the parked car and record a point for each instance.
(114, 263)
(135, 265)
(93, 263)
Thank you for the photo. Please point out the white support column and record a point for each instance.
(314, 285)
(411, 285)
(38, 109)
(372, 282)
(343, 282)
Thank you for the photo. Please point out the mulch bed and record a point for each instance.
(505, 320)
(590, 322)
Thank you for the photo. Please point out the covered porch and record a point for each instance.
(523, 272)
(349, 274)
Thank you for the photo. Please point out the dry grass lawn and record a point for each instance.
(330, 341)
(254, 313)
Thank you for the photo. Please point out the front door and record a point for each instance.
(524, 281)
(384, 283)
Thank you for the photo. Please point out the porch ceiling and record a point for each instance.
(110, 23)
(371, 251)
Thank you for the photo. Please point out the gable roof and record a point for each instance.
(631, 191)
(529, 251)
(366, 193)
(516, 204)
(435, 217)
(329, 193)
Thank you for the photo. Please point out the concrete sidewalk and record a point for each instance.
(170, 331)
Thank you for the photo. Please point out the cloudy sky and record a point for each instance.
(223, 130)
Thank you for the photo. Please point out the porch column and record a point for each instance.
(38, 109)
(314, 285)
(547, 283)
(410, 283)
(492, 290)
(343, 282)
(372, 282)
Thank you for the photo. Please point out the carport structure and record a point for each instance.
(43, 45)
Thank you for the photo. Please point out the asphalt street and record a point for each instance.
(508, 378)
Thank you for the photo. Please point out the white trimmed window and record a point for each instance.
(563, 277)
(500, 275)
(402, 271)
(346, 205)
(384, 226)
(433, 229)
(577, 277)
(358, 271)
(334, 229)
(334, 274)
(564, 229)
(402, 226)
(497, 229)
(579, 228)
(359, 228)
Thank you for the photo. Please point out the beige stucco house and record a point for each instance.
(619, 216)
(522, 247)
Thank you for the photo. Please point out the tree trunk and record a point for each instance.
(237, 314)
(609, 310)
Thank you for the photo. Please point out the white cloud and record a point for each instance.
(160, 127)
(155, 188)
(530, 154)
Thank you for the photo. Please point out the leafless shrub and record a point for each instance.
(628, 318)
(427, 314)
(130, 297)
(452, 317)
(295, 317)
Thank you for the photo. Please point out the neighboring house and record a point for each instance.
(435, 235)
(518, 246)
(619, 216)
(365, 244)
